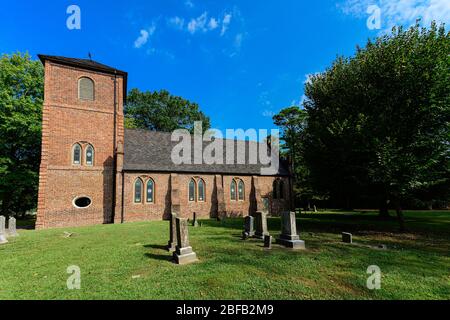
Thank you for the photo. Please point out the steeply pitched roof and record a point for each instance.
(151, 151)
(88, 65)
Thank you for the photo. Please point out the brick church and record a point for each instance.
(94, 171)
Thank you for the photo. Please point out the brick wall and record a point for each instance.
(143, 211)
(171, 194)
(66, 121)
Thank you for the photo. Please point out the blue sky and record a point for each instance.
(242, 61)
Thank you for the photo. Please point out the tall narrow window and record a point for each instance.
(275, 190)
(76, 154)
(150, 191)
(86, 89)
(241, 190)
(138, 191)
(233, 190)
(192, 190)
(281, 189)
(89, 155)
(201, 190)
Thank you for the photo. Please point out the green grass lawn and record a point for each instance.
(129, 261)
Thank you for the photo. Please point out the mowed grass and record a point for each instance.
(129, 261)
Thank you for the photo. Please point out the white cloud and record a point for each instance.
(142, 39)
(144, 36)
(213, 24)
(237, 44)
(264, 99)
(268, 113)
(401, 12)
(176, 22)
(225, 23)
(238, 40)
(198, 24)
(189, 4)
(204, 24)
(151, 51)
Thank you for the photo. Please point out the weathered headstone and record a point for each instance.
(289, 237)
(268, 242)
(173, 233)
(12, 232)
(261, 225)
(249, 226)
(194, 221)
(347, 237)
(183, 253)
(2, 230)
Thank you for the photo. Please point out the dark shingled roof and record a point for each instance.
(151, 151)
(88, 65)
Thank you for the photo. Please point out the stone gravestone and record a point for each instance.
(194, 221)
(347, 237)
(2, 230)
(183, 253)
(12, 232)
(249, 227)
(173, 233)
(261, 225)
(289, 237)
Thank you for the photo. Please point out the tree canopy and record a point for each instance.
(292, 122)
(378, 122)
(161, 111)
(21, 97)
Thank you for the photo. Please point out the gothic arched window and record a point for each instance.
(138, 191)
(233, 190)
(76, 154)
(89, 157)
(150, 191)
(241, 190)
(201, 190)
(192, 194)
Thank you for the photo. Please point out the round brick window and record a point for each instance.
(82, 202)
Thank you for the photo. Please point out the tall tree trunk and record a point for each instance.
(308, 206)
(5, 204)
(348, 204)
(384, 211)
(401, 218)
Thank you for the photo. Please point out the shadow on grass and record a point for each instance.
(160, 257)
(425, 231)
(167, 256)
(156, 246)
(425, 224)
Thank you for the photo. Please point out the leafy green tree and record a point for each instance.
(379, 121)
(21, 97)
(292, 122)
(161, 111)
